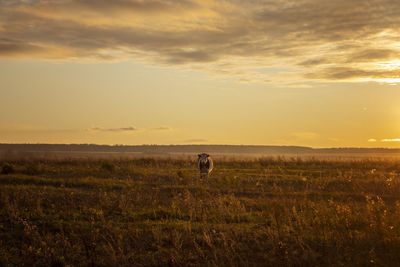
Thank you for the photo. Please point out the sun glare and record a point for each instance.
(390, 65)
(392, 81)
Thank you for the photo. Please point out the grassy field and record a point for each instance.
(155, 212)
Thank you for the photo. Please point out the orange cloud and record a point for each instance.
(310, 39)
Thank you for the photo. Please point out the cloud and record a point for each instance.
(314, 62)
(391, 140)
(342, 73)
(148, 6)
(372, 54)
(122, 129)
(10, 48)
(163, 128)
(372, 140)
(310, 39)
(128, 129)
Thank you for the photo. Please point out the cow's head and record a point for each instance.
(203, 158)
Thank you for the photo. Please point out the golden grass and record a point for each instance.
(155, 212)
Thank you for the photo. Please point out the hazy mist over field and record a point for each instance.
(307, 73)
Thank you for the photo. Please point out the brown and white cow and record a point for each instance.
(205, 165)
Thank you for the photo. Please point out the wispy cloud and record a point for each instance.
(310, 39)
(162, 128)
(373, 140)
(122, 129)
(391, 140)
(128, 129)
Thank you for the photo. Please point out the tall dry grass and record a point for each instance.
(156, 212)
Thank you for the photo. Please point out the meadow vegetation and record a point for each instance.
(156, 212)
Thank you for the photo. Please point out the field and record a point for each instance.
(156, 212)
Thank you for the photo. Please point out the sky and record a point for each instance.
(320, 73)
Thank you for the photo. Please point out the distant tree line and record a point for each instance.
(156, 149)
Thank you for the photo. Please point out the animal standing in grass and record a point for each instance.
(205, 165)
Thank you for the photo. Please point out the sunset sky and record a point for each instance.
(320, 73)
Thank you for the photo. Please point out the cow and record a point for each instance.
(205, 165)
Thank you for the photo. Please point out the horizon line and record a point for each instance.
(197, 144)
